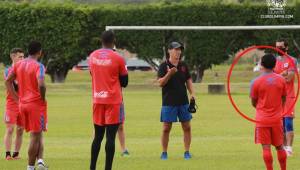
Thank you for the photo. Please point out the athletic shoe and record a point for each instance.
(8, 158)
(164, 156)
(16, 156)
(125, 153)
(187, 155)
(288, 150)
(41, 166)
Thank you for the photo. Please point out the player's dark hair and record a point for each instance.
(16, 50)
(284, 41)
(34, 47)
(268, 61)
(108, 37)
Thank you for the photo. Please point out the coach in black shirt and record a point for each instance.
(175, 79)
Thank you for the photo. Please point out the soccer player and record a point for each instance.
(12, 116)
(109, 74)
(30, 75)
(121, 132)
(268, 93)
(175, 79)
(286, 67)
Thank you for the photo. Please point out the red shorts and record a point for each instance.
(269, 135)
(106, 114)
(13, 116)
(35, 115)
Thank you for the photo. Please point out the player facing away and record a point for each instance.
(175, 79)
(30, 75)
(12, 117)
(109, 74)
(268, 93)
(286, 67)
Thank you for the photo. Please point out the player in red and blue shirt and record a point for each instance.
(30, 75)
(12, 116)
(268, 94)
(109, 74)
(286, 66)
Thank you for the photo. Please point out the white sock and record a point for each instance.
(30, 167)
(289, 148)
(41, 161)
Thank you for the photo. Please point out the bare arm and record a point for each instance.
(9, 86)
(190, 88)
(42, 87)
(164, 80)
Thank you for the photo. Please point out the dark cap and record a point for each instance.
(175, 44)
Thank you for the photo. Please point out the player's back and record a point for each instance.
(28, 71)
(105, 70)
(269, 89)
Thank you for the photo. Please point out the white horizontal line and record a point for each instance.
(261, 27)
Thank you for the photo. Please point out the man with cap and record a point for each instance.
(175, 80)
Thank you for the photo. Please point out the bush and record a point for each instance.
(69, 32)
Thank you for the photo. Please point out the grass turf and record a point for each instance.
(222, 140)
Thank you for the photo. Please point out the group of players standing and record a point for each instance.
(26, 106)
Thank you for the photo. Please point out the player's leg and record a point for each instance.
(289, 135)
(33, 150)
(167, 126)
(43, 125)
(281, 156)
(187, 138)
(19, 134)
(267, 156)
(18, 141)
(121, 131)
(30, 121)
(185, 117)
(165, 135)
(168, 115)
(284, 131)
(121, 135)
(40, 157)
(96, 145)
(277, 141)
(111, 131)
(99, 130)
(8, 140)
(35, 116)
(263, 136)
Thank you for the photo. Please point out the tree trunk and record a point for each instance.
(152, 63)
(58, 76)
(198, 75)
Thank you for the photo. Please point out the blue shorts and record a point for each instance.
(288, 124)
(171, 113)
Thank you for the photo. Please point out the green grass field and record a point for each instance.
(222, 140)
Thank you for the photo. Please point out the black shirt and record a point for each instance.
(174, 92)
